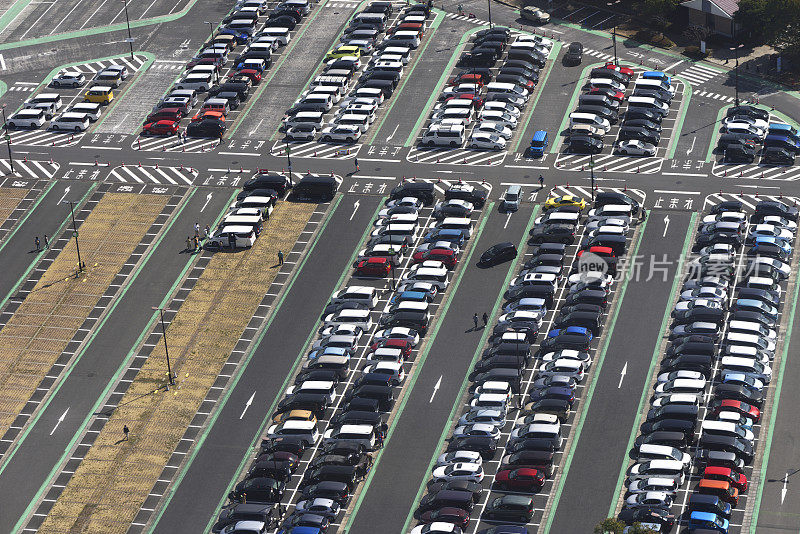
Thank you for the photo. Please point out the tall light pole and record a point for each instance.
(489, 3)
(591, 171)
(736, 75)
(614, 40)
(128, 23)
(166, 350)
(81, 265)
(8, 139)
(210, 30)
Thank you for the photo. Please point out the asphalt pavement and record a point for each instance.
(230, 437)
(403, 464)
(41, 447)
(613, 409)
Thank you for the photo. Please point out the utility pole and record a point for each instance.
(614, 40)
(166, 350)
(591, 171)
(128, 23)
(210, 30)
(736, 75)
(489, 3)
(8, 140)
(81, 265)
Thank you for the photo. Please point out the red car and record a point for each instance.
(448, 514)
(446, 256)
(403, 344)
(217, 62)
(619, 96)
(375, 266)
(252, 74)
(523, 479)
(736, 479)
(163, 127)
(622, 70)
(732, 405)
(477, 102)
(475, 79)
(604, 252)
(172, 114)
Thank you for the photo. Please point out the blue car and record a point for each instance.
(445, 234)
(300, 530)
(571, 330)
(766, 240)
(241, 37)
(709, 521)
(410, 296)
(754, 305)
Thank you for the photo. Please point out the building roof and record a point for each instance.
(722, 8)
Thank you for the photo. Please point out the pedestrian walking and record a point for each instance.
(46, 241)
(541, 181)
(196, 229)
(475, 320)
(642, 214)
(36, 242)
(485, 319)
(196, 243)
(232, 240)
(280, 257)
(208, 231)
(355, 161)
(189, 244)
(126, 431)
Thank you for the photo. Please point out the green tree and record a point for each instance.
(610, 525)
(659, 8)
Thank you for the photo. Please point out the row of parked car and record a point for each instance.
(227, 89)
(389, 50)
(722, 343)
(498, 380)
(43, 107)
(745, 127)
(480, 106)
(598, 110)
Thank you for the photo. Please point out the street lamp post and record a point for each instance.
(614, 40)
(166, 350)
(81, 266)
(591, 171)
(128, 23)
(210, 29)
(489, 3)
(8, 139)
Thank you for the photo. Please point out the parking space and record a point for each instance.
(726, 391)
(521, 410)
(608, 155)
(588, 16)
(509, 126)
(57, 133)
(16, 198)
(363, 354)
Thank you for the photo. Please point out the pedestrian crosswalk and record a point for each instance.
(715, 96)
(153, 175)
(751, 171)
(748, 200)
(24, 86)
(25, 168)
(346, 5)
(315, 149)
(698, 74)
(596, 53)
(44, 138)
(93, 67)
(443, 185)
(586, 192)
(455, 156)
(174, 143)
(609, 163)
(467, 18)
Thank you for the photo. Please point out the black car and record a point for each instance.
(764, 295)
(772, 207)
(531, 444)
(729, 238)
(336, 473)
(740, 393)
(689, 362)
(284, 20)
(687, 427)
(742, 448)
(739, 154)
(499, 361)
(612, 197)
(641, 134)
(266, 513)
(777, 156)
(258, 490)
(291, 444)
(498, 253)
(562, 233)
(665, 97)
(592, 321)
(706, 315)
(424, 191)
(435, 486)
(662, 437)
(768, 250)
(501, 30)
(663, 518)
(584, 144)
(327, 375)
(527, 55)
(528, 74)
(645, 114)
(643, 123)
(513, 508)
(753, 317)
(558, 407)
(206, 128)
(520, 63)
(485, 445)
(749, 111)
(728, 205)
(278, 182)
(551, 260)
(477, 59)
(574, 54)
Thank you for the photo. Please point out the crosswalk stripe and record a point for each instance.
(41, 167)
(131, 174)
(166, 177)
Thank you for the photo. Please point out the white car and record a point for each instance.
(572, 354)
(683, 373)
(487, 141)
(780, 222)
(319, 506)
(538, 39)
(493, 128)
(273, 42)
(713, 293)
(534, 14)
(455, 457)
(477, 429)
(611, 221)
(726, 216)
(496, 105)
(437, 527)
(412, 202)
(657, 499)
(769, 230)
(483, 415)
(756, 123)
(301, 132)
(68, 79)
(460, 471)
(365, 109)
(397, 332)
(644, 485)
(342, 330)
(341, 132)
(394, 370)
(634, 147)
(500, 117)
(563, 367)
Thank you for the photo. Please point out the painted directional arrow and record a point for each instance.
(436, 388)
(208, 199)
(66, 192)
(355, 209)
(247, 404)
(784, 490)
(60, 420)
(622, 374)
(666, 225)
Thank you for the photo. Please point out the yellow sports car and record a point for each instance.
(566, 200)
(342, 51)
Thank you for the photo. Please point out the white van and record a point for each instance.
(334, 92)
(240, 236)
(315, 118)
(726, 428)
(324, 80)
(77, 122)
(750, 340)
(280, 34)
(363, 294)
(506, 89)
(191, 94)
(662, 452)
(412, 38)
(203, 69)
(252, 221)
(748, 366)
(400, 229)
(451, 135)
(591, 119)
(361, 434)
(45, 98)
(621, 211)
(262, 206)
(649, 104)
(91, 109)
(432, 275)
(360, 318)
(457, 223)
(200, 82)
(379, 19)
(649, 83)
(27, 118)
(407, 305)
(303, 429)
(762, 282)
(361, 122)
(559, 217)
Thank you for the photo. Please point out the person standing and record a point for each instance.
(46, 241)
(208, 231)
(355, 162)
(232, 240)
(475, 320)
(196, 229)
(642, 214)
(541, 181)
(196, 243)
(280, 257)
(189, 244)
(126, 431)
(485, 319)
(36, 242)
